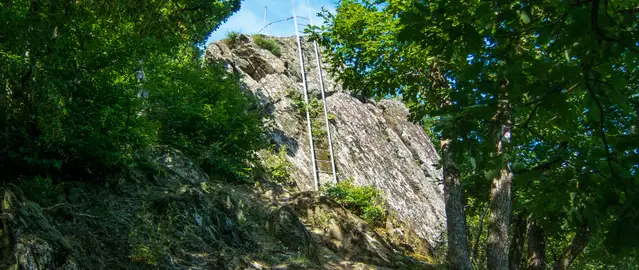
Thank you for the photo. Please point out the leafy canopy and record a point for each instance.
(86, 84)
(568, 70)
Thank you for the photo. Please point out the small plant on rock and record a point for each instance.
(268, 44)
(331, 117)
(364, 201)
(232, 38)
(278, 167)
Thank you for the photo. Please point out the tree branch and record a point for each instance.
(476, 243)
(601, 36)
(577, 245)
(541, 167)
(530, 115)
(602, 115)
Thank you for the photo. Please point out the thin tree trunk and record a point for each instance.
(536, 246)
(500, 195)
(517, 243)
(458, 253)
(6, 101)
(478, 236)
(579, 242)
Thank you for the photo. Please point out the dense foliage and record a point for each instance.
(86, 84)
(201, 110)
(545, 91)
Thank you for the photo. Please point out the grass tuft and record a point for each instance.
(268, 44)
(232, 38)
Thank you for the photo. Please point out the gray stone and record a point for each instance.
(341, 231)
(33, 253)
(286, 226)
(179, 167)
(34, 242)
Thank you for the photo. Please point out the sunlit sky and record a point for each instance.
(250, 18)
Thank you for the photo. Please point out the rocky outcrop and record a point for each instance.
(29, 241)
(373, 141)
(171, 217)
(342, 232)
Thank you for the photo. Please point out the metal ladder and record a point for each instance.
(322, 154)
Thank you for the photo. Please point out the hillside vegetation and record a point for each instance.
(125, 145)
(121, 148)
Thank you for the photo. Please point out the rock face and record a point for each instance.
(29, 241)
(374, 143)
(342, 232)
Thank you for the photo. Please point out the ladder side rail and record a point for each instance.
(321, 81)
(308, 114)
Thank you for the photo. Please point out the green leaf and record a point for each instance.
(491, 174)
(517, 166)
(621, 171)
(594, 113)
(523, 15)
(473, 163)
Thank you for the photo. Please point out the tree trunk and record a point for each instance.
(500, 194)
(458, 253)
(579, 242)
(536, 246)
(500, 208)
(517, 243)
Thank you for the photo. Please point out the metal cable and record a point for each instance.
(267, 25)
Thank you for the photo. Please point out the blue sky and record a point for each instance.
(250, 18)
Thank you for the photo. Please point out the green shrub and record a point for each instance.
(203, 112)
(42, 190)
(278, 167)
(298, 101)
(363, 201)
(268, 44)
(232, 38)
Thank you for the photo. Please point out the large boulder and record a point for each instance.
(178, 167)
(374, 143)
